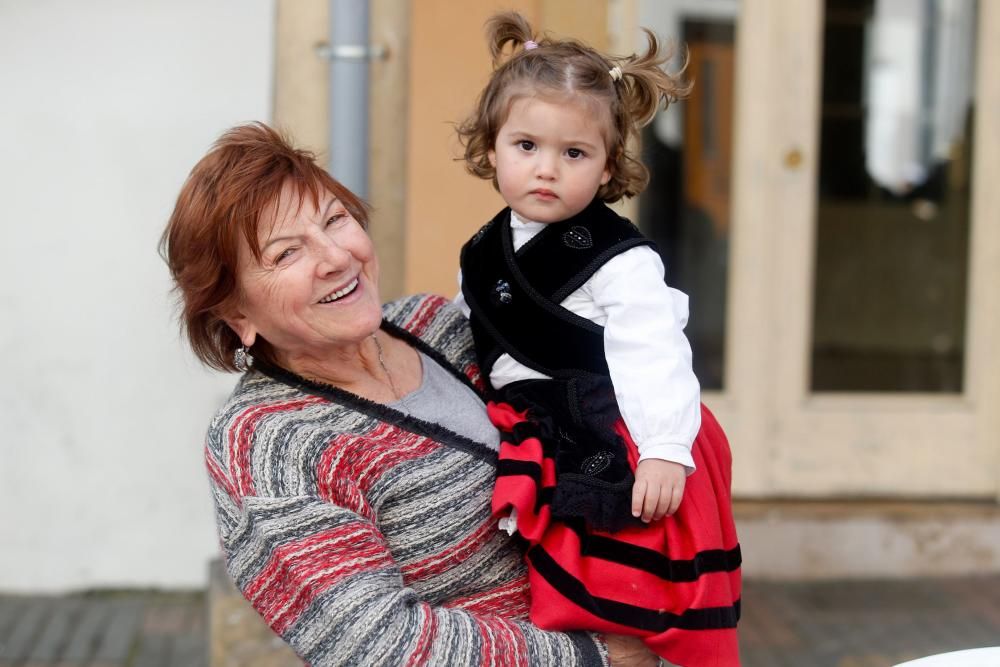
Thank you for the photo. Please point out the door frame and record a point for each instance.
(790, 441)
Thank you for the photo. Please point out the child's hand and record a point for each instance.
(658, 489)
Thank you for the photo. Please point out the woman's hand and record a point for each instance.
(629, 652)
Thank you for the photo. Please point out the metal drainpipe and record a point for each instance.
(349, 53)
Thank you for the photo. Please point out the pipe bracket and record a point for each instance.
(356, 52)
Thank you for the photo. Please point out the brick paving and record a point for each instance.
(807, 624)
(866, 624)
(126, 629)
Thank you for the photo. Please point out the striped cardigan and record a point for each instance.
(363, 536)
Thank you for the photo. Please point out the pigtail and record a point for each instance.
(506, 28)
(645, 85)
(478, 131)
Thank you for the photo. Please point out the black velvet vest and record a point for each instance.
(514, 296)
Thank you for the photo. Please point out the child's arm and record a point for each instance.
(650, 362)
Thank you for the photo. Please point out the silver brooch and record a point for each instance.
(501, 292)
(593, 465)
(577, 238)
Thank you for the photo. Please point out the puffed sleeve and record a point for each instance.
(648, 354)
(322, 576)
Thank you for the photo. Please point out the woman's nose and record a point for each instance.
(331, 257)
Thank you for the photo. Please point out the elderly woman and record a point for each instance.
(352, 467)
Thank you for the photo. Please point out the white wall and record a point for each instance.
(105, 105)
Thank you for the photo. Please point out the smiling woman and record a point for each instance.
(231, 202)
(311, 292)
(353, 465)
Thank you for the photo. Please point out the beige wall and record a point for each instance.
(301, 108)
(449, 65)
(389, 92)
(300, 75)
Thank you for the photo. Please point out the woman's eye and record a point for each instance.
(575, 153)
(283, 255)
(526, 145)
(335, 218)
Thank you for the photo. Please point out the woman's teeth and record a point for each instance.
(344, 291)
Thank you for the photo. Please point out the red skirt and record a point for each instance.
(674, 582)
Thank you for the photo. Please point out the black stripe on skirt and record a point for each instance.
(708, 618)
(653, 562)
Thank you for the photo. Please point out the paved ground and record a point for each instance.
(103, 630)
(863, 624)
(829, 624)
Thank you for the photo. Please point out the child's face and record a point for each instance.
(550, 158)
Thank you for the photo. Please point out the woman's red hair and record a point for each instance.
(227, 196)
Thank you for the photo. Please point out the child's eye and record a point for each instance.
(526, 145)
(575, 153)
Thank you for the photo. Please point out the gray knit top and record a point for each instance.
(442, 399)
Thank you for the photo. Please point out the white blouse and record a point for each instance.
(647, 352)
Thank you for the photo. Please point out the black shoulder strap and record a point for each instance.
(514, 297)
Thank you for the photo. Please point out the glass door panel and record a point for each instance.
(892, 236)
(688, 150)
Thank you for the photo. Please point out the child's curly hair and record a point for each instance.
(566, 67)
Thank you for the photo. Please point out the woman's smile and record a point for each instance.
(342, 292)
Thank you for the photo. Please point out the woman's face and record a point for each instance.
(315, 288)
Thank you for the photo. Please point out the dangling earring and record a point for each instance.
(242, 359)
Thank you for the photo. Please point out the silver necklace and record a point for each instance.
(385, 369)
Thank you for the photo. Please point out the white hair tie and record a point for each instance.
(616, 73)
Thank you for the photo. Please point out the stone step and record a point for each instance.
(238, 636)
(811, 540)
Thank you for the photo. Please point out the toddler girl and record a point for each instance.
(603, 431)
